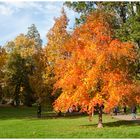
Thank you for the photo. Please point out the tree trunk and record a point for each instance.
(17, 90)
(100, 125)
(29, 94)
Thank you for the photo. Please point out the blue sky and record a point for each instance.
(16, 17)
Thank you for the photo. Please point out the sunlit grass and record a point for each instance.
(22, 123)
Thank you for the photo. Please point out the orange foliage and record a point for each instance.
(98, 70)
(54, 52)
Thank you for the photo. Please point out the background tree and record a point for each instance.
(99, 71)
(130, 29)
(83, 8)
(126, 16)
(34, 34)
(3, 57)
(19, 67)
(36, 79)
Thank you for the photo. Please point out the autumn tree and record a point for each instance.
(99, 71)
(56, 37)
(36, 79)
(19, 67)
(54, 50)
(3, 58)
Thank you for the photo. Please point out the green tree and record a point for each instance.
(130, 29)
(84, 8)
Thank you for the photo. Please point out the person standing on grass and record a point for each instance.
(133, 111)
(115, 110)
(124, 109)
(39, 111)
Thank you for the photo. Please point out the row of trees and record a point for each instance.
(96, 65)
(27, 68)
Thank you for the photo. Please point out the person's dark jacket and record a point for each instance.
(134, 109)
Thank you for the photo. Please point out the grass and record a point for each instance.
(22, 123)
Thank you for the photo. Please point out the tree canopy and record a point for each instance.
(100, 69)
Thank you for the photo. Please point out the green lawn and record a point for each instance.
(22, 123)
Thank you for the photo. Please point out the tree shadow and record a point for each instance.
(31, 114)
(73, 115)
(117, 123)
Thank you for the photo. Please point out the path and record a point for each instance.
(126, 117)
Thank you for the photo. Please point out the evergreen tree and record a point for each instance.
(35, 80)
(34, 34)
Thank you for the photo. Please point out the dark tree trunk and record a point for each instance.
(100, 112)
(0, 93)
(17, 90)
(39, 110)
(138, 42)
(29, 94)
(59, 114)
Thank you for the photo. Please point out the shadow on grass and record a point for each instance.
(43, 117)
(117, 123)
(8, 113)
(64, 116)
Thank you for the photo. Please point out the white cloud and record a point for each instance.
(44, 7)
(5, 10)
(52, 8)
